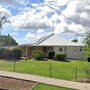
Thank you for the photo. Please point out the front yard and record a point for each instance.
(60, 70)
(47, 87)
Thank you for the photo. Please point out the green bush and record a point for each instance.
(51, 55)
(88, 50)
(87, 71)
(17, 53)
(38, 55)
(61, 56)
(29, 57)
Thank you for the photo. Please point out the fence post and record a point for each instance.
(50, 69)
(76, 72)
(14, 65)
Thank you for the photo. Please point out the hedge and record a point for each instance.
(61, 56)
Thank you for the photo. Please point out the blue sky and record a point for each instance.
(32, 19)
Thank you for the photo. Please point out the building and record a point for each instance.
(55, 43)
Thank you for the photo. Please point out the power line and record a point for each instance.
(61, 14)
(84, 34)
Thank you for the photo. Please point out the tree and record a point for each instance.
(75, 40)
(87, 40)
(7, 41)
(3, 20)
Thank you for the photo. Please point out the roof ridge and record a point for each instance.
(43, 39)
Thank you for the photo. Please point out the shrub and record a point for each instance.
(29, 57)
(17, 53)
(88, 51)
(38, 55)
(61, 56)
(6, 53)
(87, 71)
(51, 54)
(1, 52)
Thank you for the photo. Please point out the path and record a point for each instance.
(46, 80)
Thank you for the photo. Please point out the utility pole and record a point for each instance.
(56, 1)
(53, 26)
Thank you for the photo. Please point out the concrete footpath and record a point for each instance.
(46, 80)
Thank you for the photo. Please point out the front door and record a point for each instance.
(45, 49)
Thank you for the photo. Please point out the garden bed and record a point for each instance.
(14, 84)
(84, 80)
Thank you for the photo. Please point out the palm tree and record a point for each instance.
(3, 21)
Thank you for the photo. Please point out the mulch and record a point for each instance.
(84, 80)
(15, 84)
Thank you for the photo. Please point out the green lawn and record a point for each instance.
(61, 70)
(47, 87)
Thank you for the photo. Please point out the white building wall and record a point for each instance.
(71, 52)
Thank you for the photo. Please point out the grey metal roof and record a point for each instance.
(54, 40)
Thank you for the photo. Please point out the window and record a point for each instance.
(33, 48)
(45, 49)
(80, 49)
(65, 48)
(60, 49)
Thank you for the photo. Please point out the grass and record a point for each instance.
(60, 70)
(47, 87)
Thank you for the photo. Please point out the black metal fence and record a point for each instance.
(52, 69)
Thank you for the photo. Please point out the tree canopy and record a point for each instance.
(75, 40)
(87, 39)
(7, 41)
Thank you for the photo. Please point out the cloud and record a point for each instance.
(57, 2)
(37, 18)
(81, 39)
(14, 3)
(40, 31)
(14, 33)
(5, 12)
(30, 37)
(79, 12)
(10, 2)
(31, 20)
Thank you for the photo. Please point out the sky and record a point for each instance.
(32, 19)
